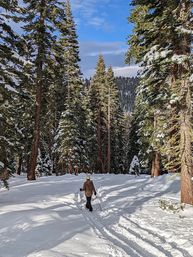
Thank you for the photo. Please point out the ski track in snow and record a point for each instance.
(126, 221)
(129, 238)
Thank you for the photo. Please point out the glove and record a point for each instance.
(95, 193)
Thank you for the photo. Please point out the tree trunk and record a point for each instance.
(70, 168)
(155, 169)
(19, 164)
(99, 142)
(109, 133)
(4, 174)
(36, 138)
(186, 150)
(39, 82)
(186, 110)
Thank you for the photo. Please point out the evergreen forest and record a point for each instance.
(54, 121)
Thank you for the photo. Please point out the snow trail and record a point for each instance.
(47, 218)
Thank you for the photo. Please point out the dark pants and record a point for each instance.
(88, 203)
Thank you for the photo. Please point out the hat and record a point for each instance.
(87, 177)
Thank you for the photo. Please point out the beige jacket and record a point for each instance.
(89, 188)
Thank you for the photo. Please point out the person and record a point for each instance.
(89, 189)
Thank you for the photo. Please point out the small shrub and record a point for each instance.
(170, 206)
(4, 183)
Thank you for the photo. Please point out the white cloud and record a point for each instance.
(94, 48)
(88, 6)
(89, 11)
(97, 21)
(110, 52)
(114, 55)
(127, 71)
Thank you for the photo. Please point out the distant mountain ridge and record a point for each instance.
(127, 88)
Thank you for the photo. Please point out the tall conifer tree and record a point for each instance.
(114, 119)
(40, 17)
(11, 65)
(107, 121)
(165, 39)
(98, 95)
(71, 132)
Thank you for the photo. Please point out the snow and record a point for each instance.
(1, 164)
(8, 141)
(134, 166)
(179, 59)
(10, 88)
(47, 218)
(181, 29)
(21, 59)
(155, 53)
(161, 135)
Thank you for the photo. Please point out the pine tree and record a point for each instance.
(122, 99)
(71, 132)
(11, 66)
(98, 97)
(44, 166)
(182, 60)
(114, 118)
(128, 143)
(24, 115)
(153, 91)
(167, 51)
(106, 121)
(53, 102)
(40, 18)
(143, 113)
(91, 138)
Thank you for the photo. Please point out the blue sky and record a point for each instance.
(102, 28)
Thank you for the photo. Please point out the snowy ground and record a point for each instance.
(47, 218)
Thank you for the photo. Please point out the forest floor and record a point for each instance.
(47, 218)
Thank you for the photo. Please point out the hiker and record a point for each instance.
(89, 189)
